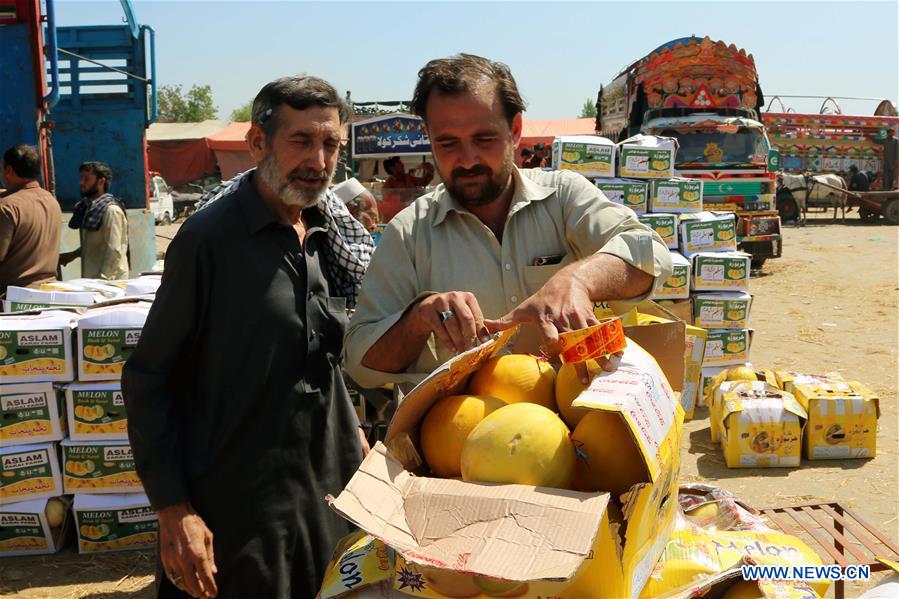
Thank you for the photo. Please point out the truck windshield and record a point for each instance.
(707, 147)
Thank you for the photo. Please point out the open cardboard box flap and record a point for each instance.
(514, 532)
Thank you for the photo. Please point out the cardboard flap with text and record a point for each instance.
(514, 532)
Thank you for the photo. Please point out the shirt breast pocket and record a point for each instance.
(536, 277)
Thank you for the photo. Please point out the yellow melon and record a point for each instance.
(521, 443)
(494, 587)
(449, 583)
(704, 513)
(608, 457)
(515, 378)
(568, 387)
(741, 373)
(55, 512)
(744, 589)
(446, 427)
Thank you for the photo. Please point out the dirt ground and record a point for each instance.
(830, 304)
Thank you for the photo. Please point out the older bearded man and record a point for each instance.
(237, 411)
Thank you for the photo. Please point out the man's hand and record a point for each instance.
(186, 550)
(363, 441)
(562, 305)
(67, 257)
(454, 317)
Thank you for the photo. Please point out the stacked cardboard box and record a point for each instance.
(35, 353)
(82, 352)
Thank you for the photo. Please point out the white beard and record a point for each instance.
(289, 195)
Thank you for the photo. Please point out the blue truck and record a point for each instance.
(82, 93)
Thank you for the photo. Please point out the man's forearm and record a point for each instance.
(610, 278)
(399, 347)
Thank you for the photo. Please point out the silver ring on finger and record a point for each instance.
(446, 315)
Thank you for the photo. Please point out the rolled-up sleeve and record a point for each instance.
(596, 225)
(390, 287)
(152, 380)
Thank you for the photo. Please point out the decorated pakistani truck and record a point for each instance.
(705, 94)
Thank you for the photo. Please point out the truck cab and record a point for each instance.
(162, 204)
(733, 157)
(705, 94)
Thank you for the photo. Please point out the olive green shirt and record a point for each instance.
(104, 252)
(436, 245)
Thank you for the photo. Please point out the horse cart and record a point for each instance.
(872, 204)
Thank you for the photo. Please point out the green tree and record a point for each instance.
(176, 106)
(588, 110)
(243, 113)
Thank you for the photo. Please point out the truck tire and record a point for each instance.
(891, 212)
(758, 263)
(787, 207)
(166, 219)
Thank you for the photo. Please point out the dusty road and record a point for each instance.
(829, 305)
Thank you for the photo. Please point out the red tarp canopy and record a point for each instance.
(178, 151)
(233, 157)
(540, 131)
(230, 149)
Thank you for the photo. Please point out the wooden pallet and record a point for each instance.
(841, 535)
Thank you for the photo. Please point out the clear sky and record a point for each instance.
(559, 52)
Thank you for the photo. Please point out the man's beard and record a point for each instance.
(269, 171)
(470, 195)
(91, 192)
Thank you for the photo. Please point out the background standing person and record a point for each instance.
(30, 221)
(101, 218)
(360, 202)
(493, 245)
(858, 181)
(237, 411)
(400, 179)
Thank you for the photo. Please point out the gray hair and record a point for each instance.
(299, 92)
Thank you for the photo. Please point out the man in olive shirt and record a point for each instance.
(237, 411)
(30, 221)
(493, 246)
(104, 226)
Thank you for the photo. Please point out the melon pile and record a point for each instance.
(515, 425)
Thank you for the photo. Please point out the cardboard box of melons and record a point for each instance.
(483, 488)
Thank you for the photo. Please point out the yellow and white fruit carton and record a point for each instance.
(663, 224)
(589, 155)
(677, 286)
(722, 310)
(106, 337)
(29, 472)
(647, 157)
(105, 288)
(627, 192)
(25, 298)
(649, 313)
(105, 467)
(538, 540)
(708, 232)
(114, 523)
(725, 347)
(676, 195)
(718, 394)
(730, 585)
(694, 557)
(26, 530)
(96, 412)
(842, 419)
(786, 378)
(761, 428)
(143, 285)
(30, 413)
(36, 347)
(710, 378)
(721, 271)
